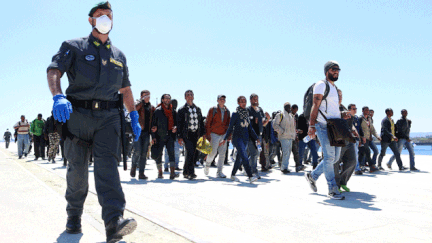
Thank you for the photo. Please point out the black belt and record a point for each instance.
(94, 104)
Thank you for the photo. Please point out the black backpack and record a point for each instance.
(308, 99)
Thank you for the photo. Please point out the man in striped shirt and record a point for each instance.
(23, 136)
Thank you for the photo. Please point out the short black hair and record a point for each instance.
(252, 95)
(364, 108)
(101, 5)
(240, 97)
(371, 110)
(350, 105)
(164, 96)
(403, 110)
(144, 91)
(189, 90)
(294, 106)
(388, 110)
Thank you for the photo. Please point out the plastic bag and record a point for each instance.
(204, 146)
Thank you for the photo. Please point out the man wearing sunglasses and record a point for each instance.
(330, 108)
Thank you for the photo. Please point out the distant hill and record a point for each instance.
(420, 134)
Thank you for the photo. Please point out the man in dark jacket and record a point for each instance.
(190, 129)
(388, 139)
(164, 128)
(145, 111)
(7, 136)
(258, 121)
(403, 127)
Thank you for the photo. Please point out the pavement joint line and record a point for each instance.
(169, 227)
(93, 222)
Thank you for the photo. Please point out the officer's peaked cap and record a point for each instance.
(101, 5)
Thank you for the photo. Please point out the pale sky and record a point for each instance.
(276, 49)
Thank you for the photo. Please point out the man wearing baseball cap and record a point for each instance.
(329, 108)
(218, 120)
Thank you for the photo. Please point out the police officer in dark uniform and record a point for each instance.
(97, 73)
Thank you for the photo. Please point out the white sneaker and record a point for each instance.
(234, 178)
(220, 175)
(206, 170)
(252, 179)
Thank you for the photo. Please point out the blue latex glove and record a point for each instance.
(135, 124)
(61, 108)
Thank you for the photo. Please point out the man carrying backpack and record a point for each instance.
(325, 102)
(218, 120)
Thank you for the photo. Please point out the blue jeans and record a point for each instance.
(331, 156)
(141, 147)
(286, 145)
(410, 148)
(253, 156)
(176, 155)
(374, 148)
(394, 148)
(312, 146)
(242, 158)
(23, 143)
(356, 148)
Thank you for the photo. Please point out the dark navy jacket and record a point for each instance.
(403, 127)
(240, 129)
(386, 132)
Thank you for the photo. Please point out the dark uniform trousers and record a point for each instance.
(190, 144)
(103, 129)
(348, 158)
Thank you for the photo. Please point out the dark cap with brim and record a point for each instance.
(252, 95)
(101, 5)
(329, 65)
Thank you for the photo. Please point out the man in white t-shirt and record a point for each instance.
(330, 108)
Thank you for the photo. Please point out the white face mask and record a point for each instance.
(103, 24)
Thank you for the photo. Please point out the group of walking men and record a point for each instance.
(99, 88)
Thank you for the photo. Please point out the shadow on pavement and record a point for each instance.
(69, 238)
(354, 200)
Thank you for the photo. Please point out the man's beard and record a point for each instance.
(333, 78)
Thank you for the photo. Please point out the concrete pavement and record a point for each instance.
(389, 206)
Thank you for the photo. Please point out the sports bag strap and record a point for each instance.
(323, 114)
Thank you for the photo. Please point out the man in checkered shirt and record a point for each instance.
(190, 129)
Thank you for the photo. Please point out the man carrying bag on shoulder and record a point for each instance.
(323, 110)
